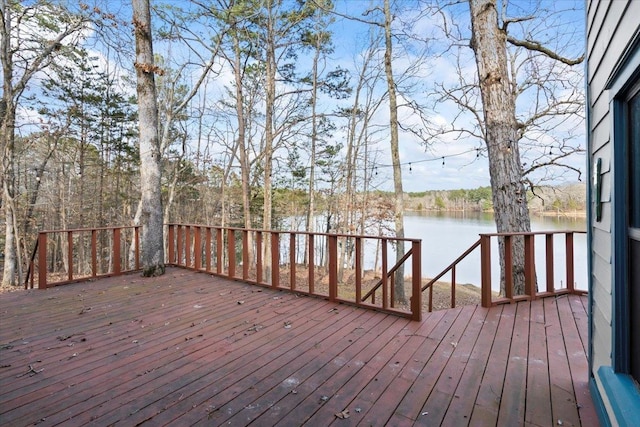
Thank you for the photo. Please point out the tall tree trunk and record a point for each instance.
(242, 142)
(511, 214)
(10, 276)
(7, 139)
(13, 89)
(150, 169)
(270, 96)
(309, 224)
(398, 214)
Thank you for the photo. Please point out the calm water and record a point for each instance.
(445, 236)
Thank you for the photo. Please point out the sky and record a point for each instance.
(449, 161)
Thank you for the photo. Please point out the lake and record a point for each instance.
(445, 236)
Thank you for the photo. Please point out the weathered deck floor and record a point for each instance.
(188, 348)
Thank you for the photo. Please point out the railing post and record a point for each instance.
(312, 263)
(358, 270)
(275, 259)
(508, 267)
(70, 255)
(569, 258)
(529, 266)
(231, 253)
(453, 287)
(258, 256)
(94, 253)
(136, 234)
(179, 246)
(385, 278)
(416, 279)
(485, 269)
(197, 247)
(171, 244)
(219, 250)
(549, 262)
(207, 249)
(333, 267)
(292, 260)
(245, 254)
(116, 251)
(42, 260)
(187, 246)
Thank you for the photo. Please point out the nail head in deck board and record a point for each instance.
(152, 379)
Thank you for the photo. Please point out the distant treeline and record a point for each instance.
(559, 199)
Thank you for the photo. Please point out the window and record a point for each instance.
(633, 227)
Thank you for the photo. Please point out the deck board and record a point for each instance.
(191, 349)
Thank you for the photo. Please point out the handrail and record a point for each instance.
(451, 267)
(389, 274)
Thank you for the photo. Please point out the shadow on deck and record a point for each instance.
(188, 348)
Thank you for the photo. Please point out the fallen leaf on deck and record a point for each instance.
(343, 415)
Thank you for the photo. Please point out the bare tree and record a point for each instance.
(31, 37)
(502, 131)
(398, 216)
(150, 154)
(524, 102)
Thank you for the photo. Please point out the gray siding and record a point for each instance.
(611, 26)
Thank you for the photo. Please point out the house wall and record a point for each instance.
(611, 27)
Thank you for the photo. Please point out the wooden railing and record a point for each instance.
(68, 256)
(352, 269)
(450, 268)
(488, 265)
(327, 265)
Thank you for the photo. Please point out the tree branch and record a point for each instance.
(535, 46)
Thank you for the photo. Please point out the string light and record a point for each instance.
(432, 159)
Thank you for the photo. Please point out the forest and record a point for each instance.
(267, 109)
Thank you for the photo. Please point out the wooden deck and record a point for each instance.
(191, 349)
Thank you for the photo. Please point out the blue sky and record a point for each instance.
(463, 165)
(449, 161)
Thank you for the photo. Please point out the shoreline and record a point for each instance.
(546, 214)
